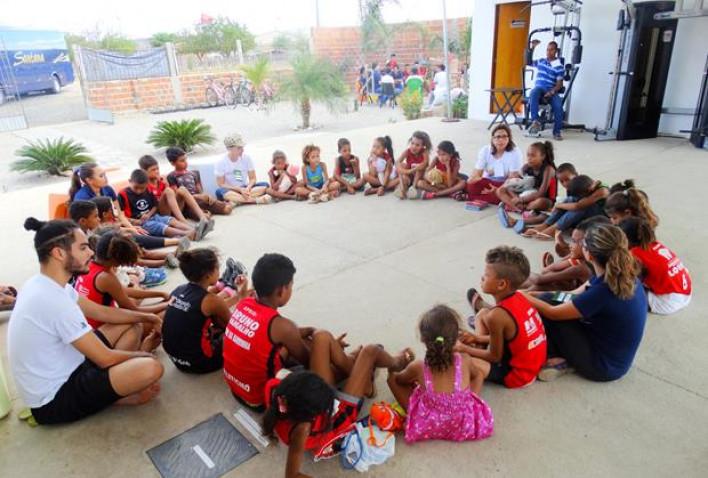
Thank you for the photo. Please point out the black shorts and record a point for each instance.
(88, 390)
(203, 364)
(498, 371)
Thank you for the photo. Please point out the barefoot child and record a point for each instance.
(282, 182)
(442, 177)
(316, 184)
(259, 341)
(188, 184)
(413, 162)
(536, 190)
(140, 207)
(381, 175)
(347, 170)
(307, 413)
(441, 392)
(195, 319)
(665, 278)
(511, 332)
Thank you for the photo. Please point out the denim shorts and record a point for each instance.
(157, 225)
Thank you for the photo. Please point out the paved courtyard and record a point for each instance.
(369, 266)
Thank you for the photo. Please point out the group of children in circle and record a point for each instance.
(220, 321)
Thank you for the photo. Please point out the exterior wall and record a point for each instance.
(589, 103)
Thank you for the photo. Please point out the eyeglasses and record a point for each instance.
(500, 136)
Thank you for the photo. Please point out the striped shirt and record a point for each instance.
(549, 72)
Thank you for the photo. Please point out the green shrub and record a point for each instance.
(185, 134)
(459, 106)
(50, 156)
(412, 103)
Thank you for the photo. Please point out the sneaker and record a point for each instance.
(534, 129)
(558, 137)
(428, 195)
(551, 372)
(324, 197)
(265, 199)
(210, 226)
(233, 270)
(415, 193)
(313, 197)
(171, 261)
(182, 245)
(200, 229)
(154, 276)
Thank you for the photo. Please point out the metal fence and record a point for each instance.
(12, 115)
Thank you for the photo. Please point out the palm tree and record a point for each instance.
(313, 79)
(257, 74)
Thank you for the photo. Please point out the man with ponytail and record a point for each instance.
(598, 332)
(79, 371)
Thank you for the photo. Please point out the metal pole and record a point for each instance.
(448, 101)
(317, 12)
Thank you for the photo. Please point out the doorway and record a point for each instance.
(510, 37)
(652, 43)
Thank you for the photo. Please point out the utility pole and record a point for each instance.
(448, 100)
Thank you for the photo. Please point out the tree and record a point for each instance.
(282, 41)
(313, 80)
(220, 36)
(376, 35)
(117, 44)
(159, 39)
(257, 74)
(198, 44)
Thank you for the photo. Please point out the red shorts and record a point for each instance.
(328, 444)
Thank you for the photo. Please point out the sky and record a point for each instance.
(142, 18)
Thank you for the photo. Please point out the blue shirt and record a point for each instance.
(86, 193)
(548, 73)
(614, 326)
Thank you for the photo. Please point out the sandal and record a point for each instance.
(472, 298)
(551, 372)
(547, 259)
(502, 215)
(542, 236)
(519, 226)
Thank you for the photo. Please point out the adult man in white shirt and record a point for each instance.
(441, 88)
(236, 176)
(63, 370)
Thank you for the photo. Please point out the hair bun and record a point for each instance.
(33, 224)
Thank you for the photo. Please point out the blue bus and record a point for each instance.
(33, 61)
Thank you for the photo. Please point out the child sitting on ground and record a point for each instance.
(182, 180)
(442, 177)
(259, 341)
(195, 319)
(510, 333)
(536, 190)
(569, 273)
(307, 413)
(381, 175)
(586, 198)
(665, 278)
(347, 170)
(626, 201)
(172, 201)
(316, 184)
(140, 207)
(441, 392)
(102, 286)
(413, 162)
(282, 182)
(85, 214)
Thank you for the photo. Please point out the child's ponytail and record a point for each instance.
(449, 148)
(608, 246)
(639, 205)
(546, 149)
(387, 144)
(439, 328)
(79, 177)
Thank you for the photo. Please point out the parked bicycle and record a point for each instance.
(244, 93)
(217, 93)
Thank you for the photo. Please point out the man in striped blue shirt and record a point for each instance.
(549, 80)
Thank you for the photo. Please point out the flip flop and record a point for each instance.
(547, 259)
(25, 415)
(502, 215)
(472, 300)
(530, 233)
(519, 226)
(542, 236)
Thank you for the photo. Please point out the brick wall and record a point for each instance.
(343, 45)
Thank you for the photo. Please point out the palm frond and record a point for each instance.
(185, 134)
(258, 72)
(51, 156)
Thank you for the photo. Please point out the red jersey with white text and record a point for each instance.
(250, 356)
(85, 285)
(665, 273)
(528, 347)
(413, 160)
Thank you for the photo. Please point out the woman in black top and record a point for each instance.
(195, 320)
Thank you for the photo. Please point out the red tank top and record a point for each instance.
(528, 347)
(283, 428)
(250, 357)
(413, 160)
(157, 190)
(665, 273)
(85, 285)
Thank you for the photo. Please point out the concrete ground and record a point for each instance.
(370, 266)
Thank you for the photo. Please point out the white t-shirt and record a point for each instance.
(440, 80)
(510, 162)
(45, 321)
(235, 173)
(387, 79)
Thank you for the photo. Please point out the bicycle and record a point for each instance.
(243, 93)
(217, 93)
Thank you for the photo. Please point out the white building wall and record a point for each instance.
(590, 98)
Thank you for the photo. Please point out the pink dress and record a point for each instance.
(457, 416)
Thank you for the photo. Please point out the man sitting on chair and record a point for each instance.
(549, 81)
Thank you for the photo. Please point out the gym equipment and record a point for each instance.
(641, 71)
(699, 131)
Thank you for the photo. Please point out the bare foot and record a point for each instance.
(402, 360)
(151, 342)
(141, 397)
(380, 191)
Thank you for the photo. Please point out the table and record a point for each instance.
(510, 98)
